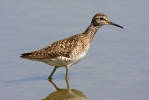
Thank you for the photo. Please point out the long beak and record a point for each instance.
(111, 23)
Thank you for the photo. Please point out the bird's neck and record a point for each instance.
(91, 31)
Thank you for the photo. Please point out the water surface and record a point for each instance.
(115, 68)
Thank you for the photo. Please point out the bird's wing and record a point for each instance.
(60, 48)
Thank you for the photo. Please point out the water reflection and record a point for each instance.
(65, 94)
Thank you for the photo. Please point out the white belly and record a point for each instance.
(64, 61)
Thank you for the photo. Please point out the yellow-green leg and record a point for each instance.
(67, 83)
(67, 69)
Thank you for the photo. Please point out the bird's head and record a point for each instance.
(102, 19)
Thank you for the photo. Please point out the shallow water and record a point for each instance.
(115, 68)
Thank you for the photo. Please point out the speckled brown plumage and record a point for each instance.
(71, 50)
(63, 47)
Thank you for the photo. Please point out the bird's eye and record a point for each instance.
(101, 18)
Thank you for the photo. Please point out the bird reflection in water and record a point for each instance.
(65, 94)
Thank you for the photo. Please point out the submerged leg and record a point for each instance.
(50, 77)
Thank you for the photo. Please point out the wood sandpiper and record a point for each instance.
(69, 51)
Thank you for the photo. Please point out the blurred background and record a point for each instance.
(116, 66)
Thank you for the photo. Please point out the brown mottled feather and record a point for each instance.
(63, 47)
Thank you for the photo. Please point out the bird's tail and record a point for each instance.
(32, 55)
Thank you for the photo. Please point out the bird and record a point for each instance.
(69, 51)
